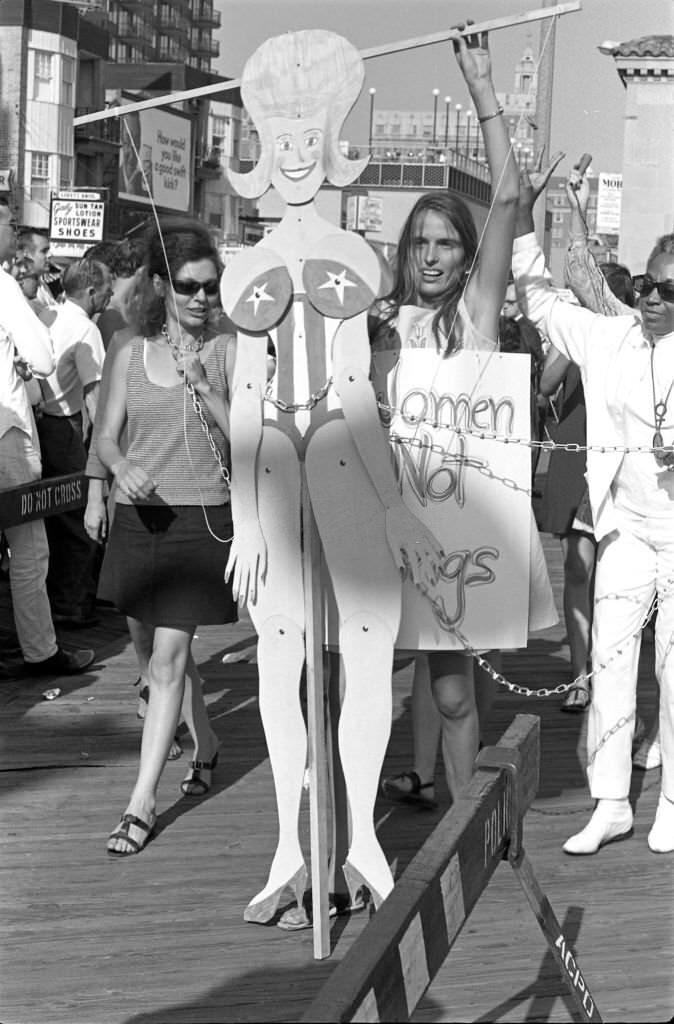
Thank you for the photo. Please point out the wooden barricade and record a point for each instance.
(395, 958)
(42, 498)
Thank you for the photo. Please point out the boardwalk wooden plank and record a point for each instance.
(159, 938)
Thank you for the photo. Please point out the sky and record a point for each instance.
(588, 97)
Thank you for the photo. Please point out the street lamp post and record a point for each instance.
(469, 114)
(436, 93)
(448, 100)
(456, 137)
(372, 95)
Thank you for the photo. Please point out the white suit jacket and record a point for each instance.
(610, 353)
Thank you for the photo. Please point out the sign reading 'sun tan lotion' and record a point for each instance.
(473, 493)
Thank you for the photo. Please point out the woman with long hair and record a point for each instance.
(447, 296)
(172, 528)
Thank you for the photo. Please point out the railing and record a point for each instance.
(133, 30)
(469, 182)
(203, 14)
(174, 23)
(456, 172)
(172, 53)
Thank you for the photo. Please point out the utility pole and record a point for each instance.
(546, 64)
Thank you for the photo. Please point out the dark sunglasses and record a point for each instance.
(645, 284)
(194, 287)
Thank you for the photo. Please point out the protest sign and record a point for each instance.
(473, 493)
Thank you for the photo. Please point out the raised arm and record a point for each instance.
(570, 328)
(581, 273)
(486, 287)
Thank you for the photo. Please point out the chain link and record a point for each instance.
(291, 407)
(437, 604)
(199, 410)
(607, 735)
(488, 435)
(543, 691)
(177, 352)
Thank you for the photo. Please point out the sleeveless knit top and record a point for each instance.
(412, 327)
(165, 435)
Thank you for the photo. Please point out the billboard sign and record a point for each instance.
(154, 159)
(364, 213)
(76, 220)
(609, 199)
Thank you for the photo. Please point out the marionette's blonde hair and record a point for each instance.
(299, 75)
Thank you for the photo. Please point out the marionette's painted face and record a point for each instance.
(299, 165)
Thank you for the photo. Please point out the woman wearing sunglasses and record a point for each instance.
(627, 368)
(169, 543)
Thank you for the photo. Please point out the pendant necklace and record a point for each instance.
(659, 413)
(180, 350)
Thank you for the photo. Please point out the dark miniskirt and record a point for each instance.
(163, 567)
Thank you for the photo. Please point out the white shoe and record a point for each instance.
(611, 821)
(648, 755)
(661, 836)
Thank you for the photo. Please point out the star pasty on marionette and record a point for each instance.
(339, 282)
(258, 295)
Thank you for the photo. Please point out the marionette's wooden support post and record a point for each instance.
(318, 759)
(391, 964)
(508, 21)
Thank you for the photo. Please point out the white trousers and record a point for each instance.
(29, 553)
(634, 563)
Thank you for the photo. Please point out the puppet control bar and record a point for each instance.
(384, 49)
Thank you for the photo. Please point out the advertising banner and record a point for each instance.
(155, 159)
(472, 493)
(609, 200)
(76, 220)
(364, 213)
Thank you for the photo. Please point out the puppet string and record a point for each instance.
(495, 190)
(148, 189)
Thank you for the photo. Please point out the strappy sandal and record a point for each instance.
(195, 779)
(577, 699)
(122, 832)
(407, 788)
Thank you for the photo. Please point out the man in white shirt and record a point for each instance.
(627, 367)
(35, 245)
(21, 332)
(67, 393)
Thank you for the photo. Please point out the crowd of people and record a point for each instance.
(127, 369)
